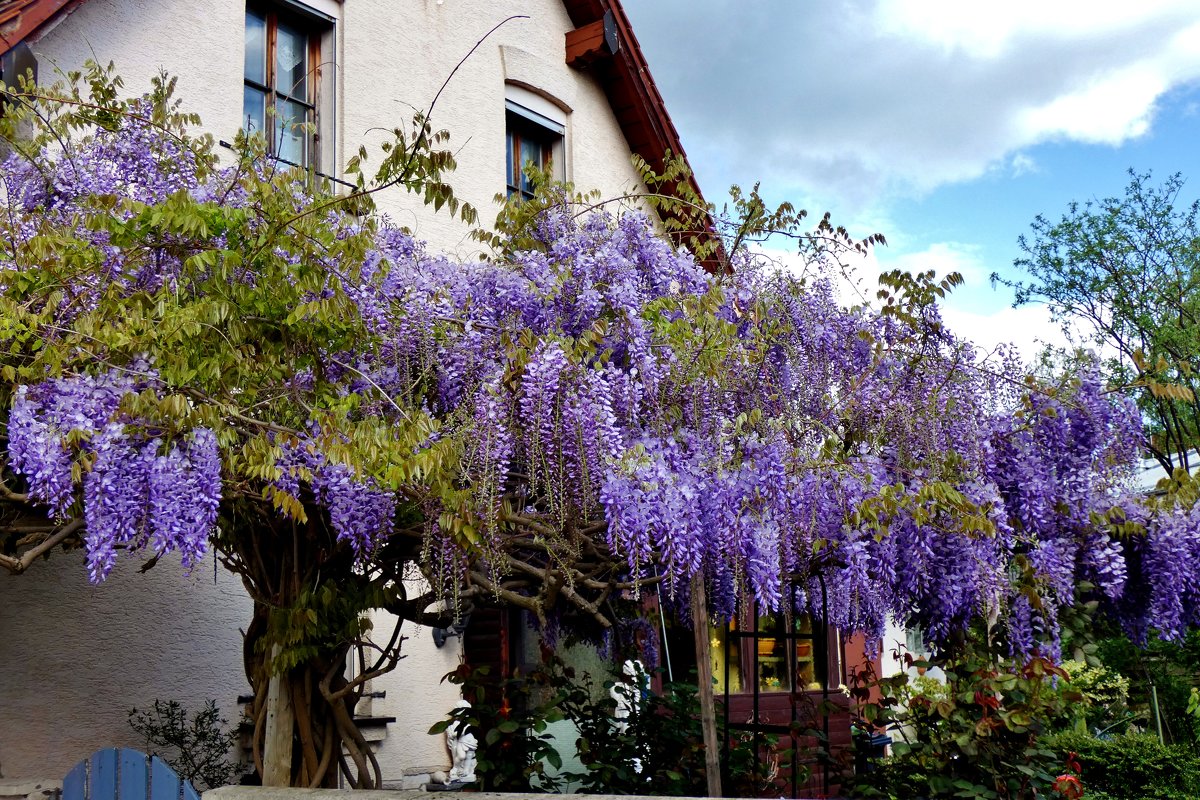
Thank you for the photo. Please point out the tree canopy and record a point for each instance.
(202, 355)
(1128, 269)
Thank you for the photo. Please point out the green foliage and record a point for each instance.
(195, 745)
(687, 217)
(660, 752)
(516, 225)
(1174, 670)
(509, 717)
(1131, 767)
(976, 737)
(663, 740)
(1103, 695)
(717, 237)
(1128, 268)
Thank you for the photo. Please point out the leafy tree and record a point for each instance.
(1128, 269)
(196, 355)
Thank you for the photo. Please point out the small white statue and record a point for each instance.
(462, 745)
(627, 694)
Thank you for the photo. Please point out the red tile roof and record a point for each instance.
(633, 95)
(20, 19)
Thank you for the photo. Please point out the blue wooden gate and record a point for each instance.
(125, 775)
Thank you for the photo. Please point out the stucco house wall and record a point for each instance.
(391, 58)
(78, 657)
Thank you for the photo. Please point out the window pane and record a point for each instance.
(290, 136)
(772, 652)
(767, 655)
(530, 151)
(725, 651)
(291, 61)
(254, 110)
(509, 151)
(256, 47)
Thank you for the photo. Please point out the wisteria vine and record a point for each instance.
(592, 414)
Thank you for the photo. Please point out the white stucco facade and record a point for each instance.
(389, 57)
(78, 657)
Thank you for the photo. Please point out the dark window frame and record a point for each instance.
(313, 27)
(524, 126)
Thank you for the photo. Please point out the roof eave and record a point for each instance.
(637, 103)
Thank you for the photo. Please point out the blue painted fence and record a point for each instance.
(125, 775)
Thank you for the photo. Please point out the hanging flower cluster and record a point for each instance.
(141, 491)
(597, 397)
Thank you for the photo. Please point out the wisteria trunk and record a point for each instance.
(304, 728)
(304, 732)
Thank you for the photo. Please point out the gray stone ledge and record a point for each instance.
(28, 788)
(269, 793)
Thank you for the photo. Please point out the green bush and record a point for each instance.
(978, 736)
(1132, 766)
(661, 751)
(195, 745)
(1173, 668)
(509, 718)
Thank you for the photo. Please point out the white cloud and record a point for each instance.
(986, 30)
(863, 99)
(1028, 328)
(1109, 110)
(1022, 164)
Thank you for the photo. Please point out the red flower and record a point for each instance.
(1069, 786)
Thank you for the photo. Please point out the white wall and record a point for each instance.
(78, 657)
(391, 59)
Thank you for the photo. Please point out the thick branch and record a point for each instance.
(18, 565)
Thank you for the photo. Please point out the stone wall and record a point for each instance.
(29, 789)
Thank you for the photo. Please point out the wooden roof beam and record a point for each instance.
(593, 42)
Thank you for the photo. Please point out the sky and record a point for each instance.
(945, 125)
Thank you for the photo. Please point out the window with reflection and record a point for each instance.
(533, 139)
(775, 653)
(283, 49)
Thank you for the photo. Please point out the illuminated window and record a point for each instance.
(772, 651)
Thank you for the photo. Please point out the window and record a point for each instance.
(534, 132)
(775, 652)
(283, 56)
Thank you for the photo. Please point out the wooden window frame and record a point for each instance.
(522, 128)
(745, 634)
(313, 29)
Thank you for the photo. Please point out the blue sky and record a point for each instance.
(945, 125)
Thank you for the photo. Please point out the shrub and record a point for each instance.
(509, 717)
(1132, 766)
(661, 752)
(196, 745)
(977, 736)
